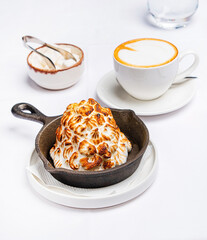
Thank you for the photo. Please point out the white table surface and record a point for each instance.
(175, 206)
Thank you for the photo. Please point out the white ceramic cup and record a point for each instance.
(150, 82)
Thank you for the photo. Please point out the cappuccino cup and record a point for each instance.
(147, 67)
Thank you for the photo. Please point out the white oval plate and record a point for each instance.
(112, 94)
(112, 195)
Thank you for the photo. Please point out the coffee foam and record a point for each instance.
(145, 53)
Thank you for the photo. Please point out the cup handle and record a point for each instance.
(181, 76)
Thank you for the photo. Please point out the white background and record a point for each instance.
(175, 206)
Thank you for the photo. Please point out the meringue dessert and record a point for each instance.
(89, 139)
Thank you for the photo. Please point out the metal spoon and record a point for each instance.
(64, 53)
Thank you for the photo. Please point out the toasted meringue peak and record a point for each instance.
(89, 139)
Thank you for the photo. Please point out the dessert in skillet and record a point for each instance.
(89, 139)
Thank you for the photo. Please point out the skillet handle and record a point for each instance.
(32, 113)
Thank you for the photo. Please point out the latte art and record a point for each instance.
(145, 53)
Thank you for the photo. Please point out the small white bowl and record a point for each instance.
(59, 78)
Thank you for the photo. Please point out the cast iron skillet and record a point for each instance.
(128, 123)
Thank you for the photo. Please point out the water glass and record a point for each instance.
(171, 14)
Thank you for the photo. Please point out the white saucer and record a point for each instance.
(53, 190)
(112, 94)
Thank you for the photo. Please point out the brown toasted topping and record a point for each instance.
(72, 106)
(96, 141)
(85, 110)
(73, 122)
(65, 118)
(78, 118)
(67, 152)
(95, 161)
(95, 133)
(57, 151)
(103, 150)
(108, 164)
(90, 123)
(68, 132)
(122, 147)
(82, 102)
(111, 121)
(105, 138)
(59, 133)
(99, 119)
(98, 107)
(84, 161)
(114, 130)
(72, 164)
(67, 143)
(91, 101)
(79, 130)
(113, 148)
(104, 111)
(119, 157)
(53, 149)
(86, 148)
(58, 164)
(75, 139)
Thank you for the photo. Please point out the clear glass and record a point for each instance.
(171, 14)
